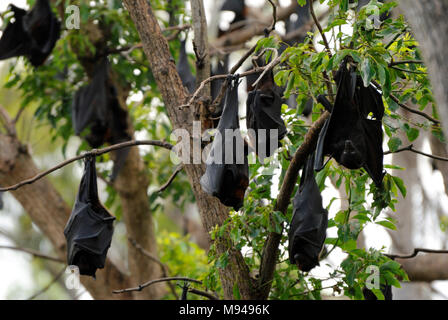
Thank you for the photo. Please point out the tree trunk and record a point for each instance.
(174, 95)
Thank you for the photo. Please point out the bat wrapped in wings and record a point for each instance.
(307, 231)
(263, 116)
(90, 226)
(238, 7)
(227, 171)
(353, 134)
(183, 68)
(96, 107)
(33, 34)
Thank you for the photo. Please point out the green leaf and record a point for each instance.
(400, 184)
(343, 6)
(301, 2)
(393, 144)
(387, 224)
(367, 71)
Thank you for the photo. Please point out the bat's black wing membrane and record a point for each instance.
(227, 171)
(215, 86)
(44, 30)
(14, 41)
(237, 7)
(89, 229)
(263, 116)
(301, 17)
(307, 231)
(385, 289)
(353, 133)
(90, 107)
(183, 68)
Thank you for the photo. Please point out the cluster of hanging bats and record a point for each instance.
(352, 135)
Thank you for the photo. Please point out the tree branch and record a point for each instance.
(319, 27)
(151, 282)
(34, 253)
(402, 105)
(411, 148)
(171, 179)
(415, 253)
(94, 152)
(394, 63)
(56, 278)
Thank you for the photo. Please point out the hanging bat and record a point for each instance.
(227, 171)
(183, 68)
(307, 231)
(44, 30)
(95, 106)
(1, 200)
(302, 15)
(353, 134)
(263, 112)
(236, 6)
(13, 42)
(33, 34)
(90, 107)
(90, 226)
(215, 86)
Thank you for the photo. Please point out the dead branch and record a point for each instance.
(92, 153)
(34, 253)
(171, 179)
(151, 282)
(411, 148)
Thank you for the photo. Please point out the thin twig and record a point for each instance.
(271, 65)
(394, 63)
(411, 148)
(164, 267)
(151, 282)
(56, 278)
(171, 179)
(321, 31)
(416, 251)
(408, 71)
(224, 76)
(274, 17)
(34, 253)
(402, 105)
(17, 117)
(202, 293)
(93, 152)
(8, 124)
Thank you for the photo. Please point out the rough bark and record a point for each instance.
(428, 267)
(50, 213)
(430, 27)
(170, 86)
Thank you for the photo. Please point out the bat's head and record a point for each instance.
(304, 262)
(351, 157)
